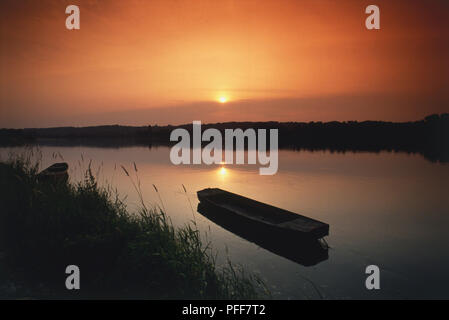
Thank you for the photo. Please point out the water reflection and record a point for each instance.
(306, 253)
(223, 171)
(388, 209)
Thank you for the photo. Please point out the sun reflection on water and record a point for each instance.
(223, 171)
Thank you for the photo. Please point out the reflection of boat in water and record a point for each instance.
(304, 252)
(56, 172)
(282, 232)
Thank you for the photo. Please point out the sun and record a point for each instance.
(222, 99)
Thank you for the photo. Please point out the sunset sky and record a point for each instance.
(169, 62)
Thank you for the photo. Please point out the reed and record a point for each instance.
(46, 226)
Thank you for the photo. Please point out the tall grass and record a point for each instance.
(45, 227)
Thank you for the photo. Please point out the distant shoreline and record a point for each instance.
(429, 136)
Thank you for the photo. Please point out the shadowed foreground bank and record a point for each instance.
(46, 226)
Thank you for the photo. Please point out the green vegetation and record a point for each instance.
(45, 227)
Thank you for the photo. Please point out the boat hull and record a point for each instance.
(57, 172)
(260, 217)
(303, 250)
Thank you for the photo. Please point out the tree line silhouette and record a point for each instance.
(429, 136)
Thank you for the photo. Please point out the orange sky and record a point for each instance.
(146, 62)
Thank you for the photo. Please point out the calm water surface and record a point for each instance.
(387, 209)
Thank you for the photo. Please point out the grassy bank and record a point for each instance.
(45, 227)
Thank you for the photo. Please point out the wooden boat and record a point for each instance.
(261, 217)
(55, 173)
(305, 252)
